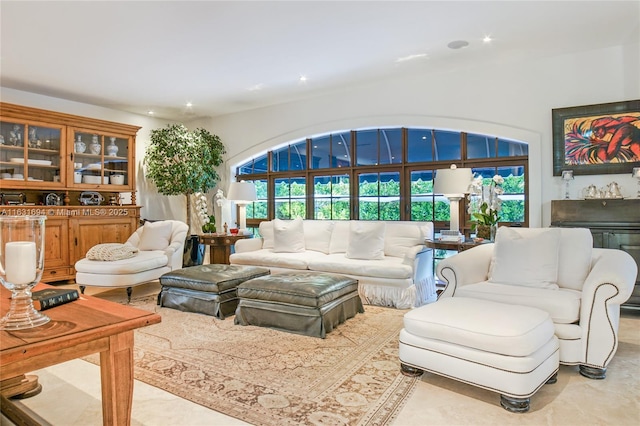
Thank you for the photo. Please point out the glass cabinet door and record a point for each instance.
(100, 159)
(30, 154)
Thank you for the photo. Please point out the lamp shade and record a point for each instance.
(242, 191)
(452, 181)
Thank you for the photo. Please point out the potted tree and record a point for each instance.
(183, 162)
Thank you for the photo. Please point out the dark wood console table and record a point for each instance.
(613, 223)
(220, 246)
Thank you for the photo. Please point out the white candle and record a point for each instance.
(20, 262)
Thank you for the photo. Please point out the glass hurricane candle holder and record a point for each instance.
(21, 266)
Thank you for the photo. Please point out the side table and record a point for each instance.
(220, 246)
(453, 245)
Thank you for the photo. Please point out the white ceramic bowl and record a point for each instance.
(95, 179)
(117, 179)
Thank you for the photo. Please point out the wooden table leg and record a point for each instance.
(116, 375)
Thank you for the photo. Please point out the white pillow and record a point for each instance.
(266, 232)
(366, 240)
(111, 251)
(288, 236)
(155, 236)
(530, 261)
(317, 235)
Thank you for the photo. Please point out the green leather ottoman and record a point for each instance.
(309, 303)
(206, 289)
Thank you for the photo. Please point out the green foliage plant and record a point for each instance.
(183, 162)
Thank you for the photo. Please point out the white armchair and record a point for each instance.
(556, 270)
(160, 247)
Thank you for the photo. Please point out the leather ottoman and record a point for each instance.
(507, 349)
(206, 289)
(308, 303)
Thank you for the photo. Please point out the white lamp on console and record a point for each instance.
(242, 193)
(453, 183)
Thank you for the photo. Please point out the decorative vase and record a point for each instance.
(95, 147)
(80, 146)
(193, 252)
(493, 229)
(483, 231)
(112, 148)
(21, 266)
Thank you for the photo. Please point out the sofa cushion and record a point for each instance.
(389, 267)
(143, 261)
(288, 236)
(366, 240)
(317, 235)
(340, 237)
(270, 259)
(155, 235)
(496, 328)
(530, 261)
(400, 238)
(563, 305)
(266, 232)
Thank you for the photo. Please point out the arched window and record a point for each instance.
(381, 174)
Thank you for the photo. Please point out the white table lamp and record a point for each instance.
(453, 183)
(242, 193)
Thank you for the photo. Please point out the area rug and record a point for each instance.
(268, 377)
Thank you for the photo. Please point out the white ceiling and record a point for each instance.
(226, 57)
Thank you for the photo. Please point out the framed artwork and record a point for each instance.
(597, 139)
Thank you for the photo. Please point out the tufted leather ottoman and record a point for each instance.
(309, 303)
(507, 349)
(206, 289)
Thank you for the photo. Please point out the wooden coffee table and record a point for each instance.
(77, 329)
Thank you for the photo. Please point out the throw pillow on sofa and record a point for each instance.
(366, 240)
(530, 261)
(155, 236)
(288, 236)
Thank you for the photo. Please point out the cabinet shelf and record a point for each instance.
(31, 165)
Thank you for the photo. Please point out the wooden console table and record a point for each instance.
(77, 329)
(220, 246)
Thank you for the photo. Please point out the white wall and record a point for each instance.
(511, 100)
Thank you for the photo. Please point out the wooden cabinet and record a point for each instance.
(49, 151)
(48, 160)
(613, 224)
(87, 232)
(71, 231)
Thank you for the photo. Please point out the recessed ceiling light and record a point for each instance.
(256, 87)
(189, 104)
(150, 112)
(487, 39)
(458, 44)
(303, 78)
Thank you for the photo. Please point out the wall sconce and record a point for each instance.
(242, 193)
(453, 183)
(567, 176)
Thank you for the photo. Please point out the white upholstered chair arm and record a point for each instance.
(467, 267)
(248, 244)
(608, 285)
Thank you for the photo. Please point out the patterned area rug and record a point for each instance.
(268, 377)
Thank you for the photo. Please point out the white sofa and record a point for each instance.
(388, 258)
(558, 271)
